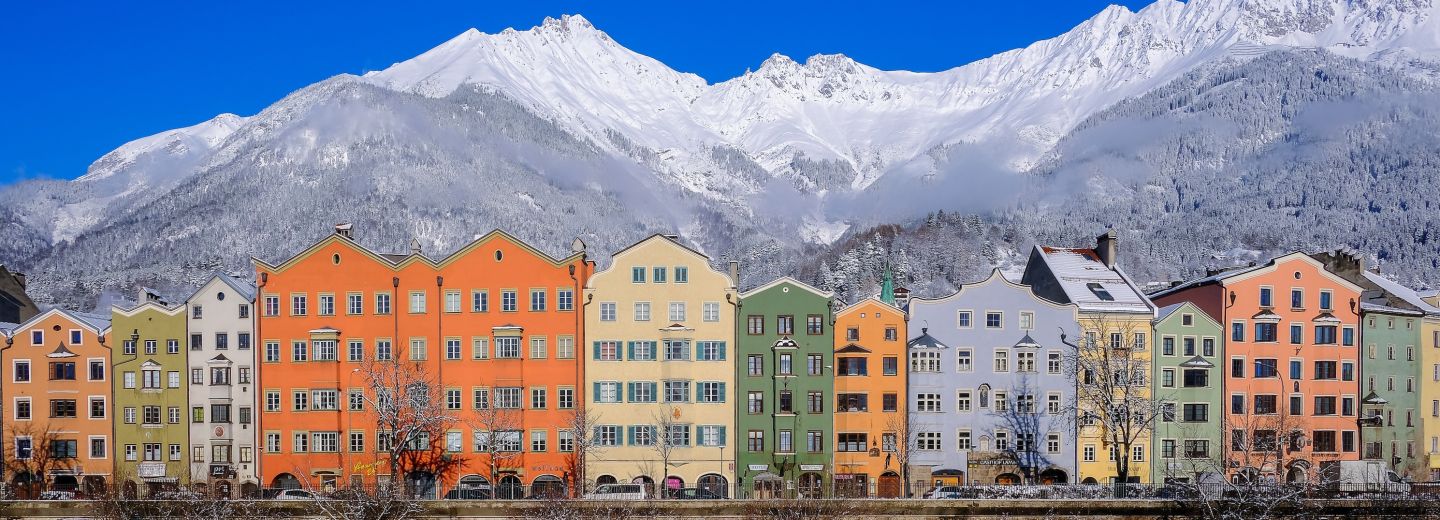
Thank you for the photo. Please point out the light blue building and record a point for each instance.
(989, 396)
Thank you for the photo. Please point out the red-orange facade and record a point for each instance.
(494, 326)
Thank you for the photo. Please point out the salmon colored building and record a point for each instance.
(1292, 359)
(57, 404)
(494, 325)
(870, 407)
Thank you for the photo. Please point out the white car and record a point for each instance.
(945, 493)
(296, 494)
(618, 492)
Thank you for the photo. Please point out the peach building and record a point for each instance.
(1292, 359)
(57, 404)
(869, 399)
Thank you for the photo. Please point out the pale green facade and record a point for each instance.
(151, 414)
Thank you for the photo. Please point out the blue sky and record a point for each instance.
(82, 79)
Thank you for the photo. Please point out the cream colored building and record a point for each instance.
(659, 369)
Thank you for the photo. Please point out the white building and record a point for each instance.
(222, 386)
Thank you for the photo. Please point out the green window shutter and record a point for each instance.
(596, 351)
(721, 349)
(630, 350)
(630, 392)
(597, 392)
(722, 435)
(722, 391)
(654, 391)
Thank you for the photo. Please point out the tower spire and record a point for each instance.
(887, 286)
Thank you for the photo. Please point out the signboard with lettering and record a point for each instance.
(812, 467)
(151, 469)
(758, 467)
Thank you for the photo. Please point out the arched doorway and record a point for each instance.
(1297, 473)
(605, 479)
(222, 489)
(66, 483)
(285, 481)
(250, 490)
(673, 485)
(768, 485)
(95, 485)
(1246, 476)
(811, 485)
(646, 482)
(889, 485)
(714, 485)
(26, 485)
(130, 490)
(1007, 479)
(1089, 481)
(420, 484)
(547, 486)
(852, 485)
(200, 487)
(510, 488)
(1054, 476)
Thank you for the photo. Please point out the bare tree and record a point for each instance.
(498, 439)
(39, 460)
(580, 427)
(1258, 449)
(411, 421)
(899, 443)
(1019, 417)
(1112, 397)
(665, 439)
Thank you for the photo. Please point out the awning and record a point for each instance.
(767, 476)
(160, 480)
(1326, 317)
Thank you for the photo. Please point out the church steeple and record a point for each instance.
(887, 286)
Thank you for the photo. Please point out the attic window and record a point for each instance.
(498, 255)
(335, 258)
(1100, 292)
(220, 296)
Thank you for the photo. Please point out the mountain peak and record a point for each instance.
(567, 22)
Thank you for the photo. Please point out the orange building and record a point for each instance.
(1292, 357)
(57, 394)
(869, 399)
(492, 329)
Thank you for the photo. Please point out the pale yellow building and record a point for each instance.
(1430, 389)
(659, 369)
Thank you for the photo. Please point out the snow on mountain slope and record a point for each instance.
(833, 108)
(191, 140)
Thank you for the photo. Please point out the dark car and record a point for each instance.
(470, 493)
(695, 494)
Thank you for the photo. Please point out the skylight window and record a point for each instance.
(1100, 292)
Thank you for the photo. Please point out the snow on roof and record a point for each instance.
(1386, 309)
(1167, 310)
(1402, 292)
(1090, 284)
(95, 321)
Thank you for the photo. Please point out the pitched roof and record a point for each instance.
(1401, 292)
(924, 340)
(1090, 284)
(792, 281)
(243, 288)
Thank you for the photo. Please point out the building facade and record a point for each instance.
(784, 360)
(57, 402)
(660, 323)
(222, 399)
(488, 333)
(991, 399)
(1114, 321)
(870, 399)
(1188, 353)
(1292, 352)
(15, 305)
(152, 428)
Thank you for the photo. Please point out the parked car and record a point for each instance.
(296, 494)
(944, 493)
(57, 495)
(1361, 476)
(695, 494)
(618, 492)
(482, 492)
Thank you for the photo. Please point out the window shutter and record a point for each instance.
(630, 392)
(595, 349)
(597, 392)
(722, 434)
(722, 391)
(721, 349)
(630, 435)
(654, 388)
(630, 350)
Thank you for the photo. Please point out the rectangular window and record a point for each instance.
(710, 350)
(297, 305)
(537, 299)
(677, 312)
(539, 347)
(637, 274)
(417, 302)
(507, 347)
(785, 325)
(642, 311)
(272, 305)
(710, 311)
(1266, 297)
(754, 325)
(479, 301)
(452, 301)
(565, 299)
(605, 350)
(382, 303)
(607, 311)
(658, 275)
(994, 320)
(1237, 331)
(814, 324)
(755, 365)
(327, 305)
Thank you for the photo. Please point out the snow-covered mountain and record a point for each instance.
(562, 126)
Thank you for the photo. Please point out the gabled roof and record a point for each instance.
(244, 289)
(875, 299)
(97, 323)
(786, 279)
(1246, 271)
(705, 259)
(1090, 284)
(852, 349)
(1169, 310)
(1402, 293)
(996, 275)
(135, 308)
(397, 262)
(924, 340)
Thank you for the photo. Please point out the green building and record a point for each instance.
(1391, 394)
(151, 428)
(1188, 356)
(785, 351)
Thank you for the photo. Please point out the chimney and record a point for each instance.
(902, 297)
(1347, 264)
(19, 278)
(345, 229)
(735, 273)
(671, 236)
(1107, 248)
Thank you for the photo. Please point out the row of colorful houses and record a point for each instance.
(658, 369)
